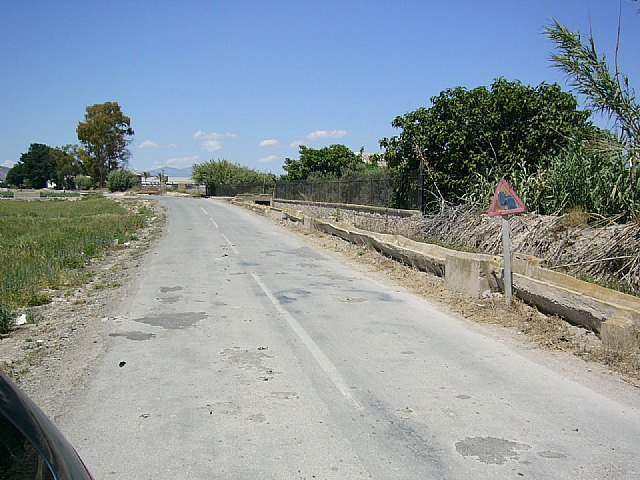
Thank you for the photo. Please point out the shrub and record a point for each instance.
(121, 180)
(576, 179)
(602, 183)
(83, 182)
(6, 319)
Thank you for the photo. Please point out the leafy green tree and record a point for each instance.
(105, 134)
(34, 168)
(121, 180)
(331, 161)
(223, 172)
(485, 133)
(605, 91)
(15, 175)
(68, 165)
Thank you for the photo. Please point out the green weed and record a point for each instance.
(6, 319)
(45, 245)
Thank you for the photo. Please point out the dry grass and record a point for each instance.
(575, 217)
(602, 251)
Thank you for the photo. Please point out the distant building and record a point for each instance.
(372, 158)
(180, 180)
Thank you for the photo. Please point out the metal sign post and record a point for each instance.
(506, 202)
(506, 247)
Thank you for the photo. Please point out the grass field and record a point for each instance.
(45, 245)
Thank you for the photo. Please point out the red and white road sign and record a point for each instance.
(505, 201)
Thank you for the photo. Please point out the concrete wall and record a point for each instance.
(372, 219)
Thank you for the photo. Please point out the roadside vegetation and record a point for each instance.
(46, 245)
(121, 180)
(224, 172)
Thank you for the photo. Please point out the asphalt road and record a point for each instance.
(251, 355)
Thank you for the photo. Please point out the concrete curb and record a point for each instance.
(358, 208)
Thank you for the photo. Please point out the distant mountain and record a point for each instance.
(172, 172)
(4, 170)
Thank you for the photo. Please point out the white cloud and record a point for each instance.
(150, 144)
(318, 134)
(8, 163)
(270, 158)
(212, 145)
(210, 141)
(269, 143)
(296, 143)
(202, 135)
(182, 162)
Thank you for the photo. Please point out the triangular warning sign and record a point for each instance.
(505, 201)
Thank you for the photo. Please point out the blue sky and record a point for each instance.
(251, 80)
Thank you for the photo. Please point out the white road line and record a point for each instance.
(214, 222)
(233, 247)
(324, 362)
(204, 210)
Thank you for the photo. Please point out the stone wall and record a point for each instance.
(372, 219)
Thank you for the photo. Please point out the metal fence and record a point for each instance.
(220, 190)
(170, 186)
(389, 189)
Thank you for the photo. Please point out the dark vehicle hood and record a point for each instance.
(27, 417)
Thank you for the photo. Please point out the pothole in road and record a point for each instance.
(137, 336)
(490, 450)
(284, 395)
(351, 299)
(170, 299)
(291, 295)
(246, 358)
(550, 454)
(170, 289)
(174, 321)
(306, 252)
(224, 408)
(257, 417)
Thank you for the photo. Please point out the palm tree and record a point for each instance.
(606, 91)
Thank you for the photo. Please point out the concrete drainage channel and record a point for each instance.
(612, 314)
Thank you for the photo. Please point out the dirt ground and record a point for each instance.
(49, 357)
